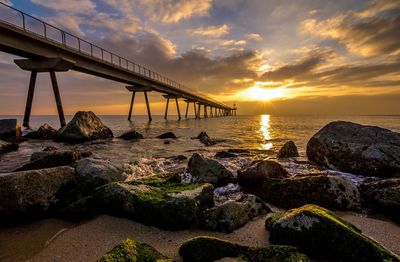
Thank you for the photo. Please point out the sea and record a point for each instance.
(261, 134)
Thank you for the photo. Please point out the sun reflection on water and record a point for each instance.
(265, 131)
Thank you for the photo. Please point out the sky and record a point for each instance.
(280, 57)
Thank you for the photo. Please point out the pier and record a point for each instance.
(45, 48)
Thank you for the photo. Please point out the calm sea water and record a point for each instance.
(264, 132)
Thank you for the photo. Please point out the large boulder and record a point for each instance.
(130, 251)
(208, 249)
(160, 201)
(96, 172)
(258, 172)
(9, 129)
(84, 126)
(43, 132)
(323, 236)
(289, 149)
(330, 191)
(383, 196)
(6, 147)
(232, 214)
(30, 194)
(206, 170)
(131, 135)
(359, 149)
(47, 159)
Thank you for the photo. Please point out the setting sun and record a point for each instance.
(262, 94)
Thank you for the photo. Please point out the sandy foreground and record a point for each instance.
(57, 240)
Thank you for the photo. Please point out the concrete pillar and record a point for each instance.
(29, 99)
(130, 108)
(187, 109)
(58, 98)
(195, 111)
(166, 109)
(148, 106)
(177, 108)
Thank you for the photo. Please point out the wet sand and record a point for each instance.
(87, 241)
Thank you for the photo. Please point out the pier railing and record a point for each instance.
(40, 28)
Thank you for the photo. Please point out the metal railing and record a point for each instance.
(40, 28)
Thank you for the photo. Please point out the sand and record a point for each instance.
(89, 240)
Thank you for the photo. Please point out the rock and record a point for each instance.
(258, 172)
(84, 126)
(44, 132)
(207, 170)
(323, 236)
(207, 249)
(205, 139)
(167, 135)
(358, 149)
(232, 214)
(129, 251)
(160, 201)
(6, 147)
(47, 159)
(224, 154)
(132, 135)
(30, 194)
(383, 196)
(97, 172)
(178, 158)
(289, 149)
(9, 129)
(330, 191)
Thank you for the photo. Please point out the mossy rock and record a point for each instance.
(132, 251)
(204, 249)
(330, 191)
(158, 201)
(323, 236)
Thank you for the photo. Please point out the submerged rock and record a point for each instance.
(207, 249)
(167, 135)
(6, 147)
(43, 132)
(9, 129)
(289, 149)
(131, 135)
(383, 196)
(232, 214)
(129, 251)
(206, 170)
(160, 201)
(323, 236)
(224, 154)
(30, 194)
(330, 191)
(257, 173)
(359, 149)
(84, 126)
(47, 159)
(205, 139)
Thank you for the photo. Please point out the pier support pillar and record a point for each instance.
(166, 109)
(211, 112)
(58, 98)
(177, 108)
(134, 90)
(195, 111)
(187, 108)
(29, 99)
(198, 111)
(205, 111)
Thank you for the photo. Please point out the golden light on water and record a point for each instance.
(265, 132)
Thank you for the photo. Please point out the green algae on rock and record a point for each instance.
(131, 251)
(204, 249)
(322, 235)
(158, 200)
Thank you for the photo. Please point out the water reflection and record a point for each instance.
(265, 131)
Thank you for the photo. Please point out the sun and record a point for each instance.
(262, 94)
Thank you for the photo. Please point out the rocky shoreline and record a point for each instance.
(208, 195)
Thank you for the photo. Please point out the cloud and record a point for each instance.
(253, 36)
(366, 33)
(173, 11)
(211, 31)
(75, 6)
